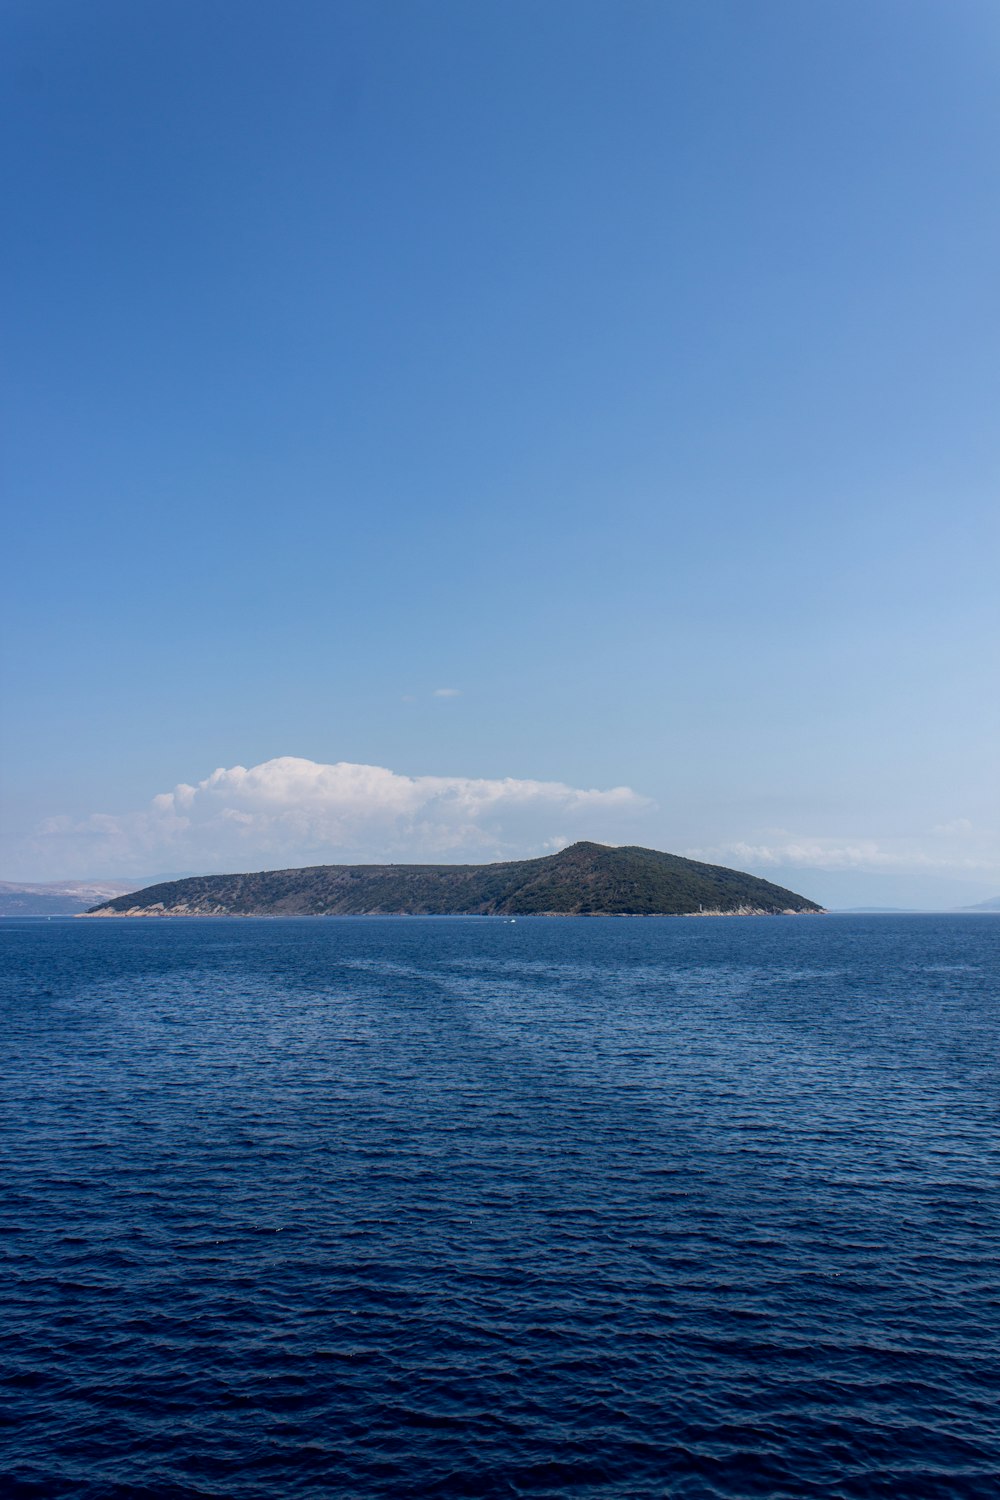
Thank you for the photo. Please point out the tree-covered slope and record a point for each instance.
(585, 879)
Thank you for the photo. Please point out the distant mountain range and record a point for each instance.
(584, 879)
(67, 898)
(913, 911)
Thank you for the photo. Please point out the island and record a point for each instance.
(584, 879)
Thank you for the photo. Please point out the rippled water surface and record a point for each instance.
(464, 1207)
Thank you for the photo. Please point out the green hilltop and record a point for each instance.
(583, 880)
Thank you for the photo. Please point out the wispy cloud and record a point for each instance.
(296, 811)
(441, 692)
(889, 856)
(958, 826)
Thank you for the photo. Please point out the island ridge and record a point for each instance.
(584, 879)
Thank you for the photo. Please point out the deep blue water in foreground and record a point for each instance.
(459, 1207)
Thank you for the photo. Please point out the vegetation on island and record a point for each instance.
(583, 880)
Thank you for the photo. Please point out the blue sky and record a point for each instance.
(628, 370)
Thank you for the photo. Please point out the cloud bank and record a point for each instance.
(974, 853)
(294, 811)
(949, 865)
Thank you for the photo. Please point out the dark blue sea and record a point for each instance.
(464, 1207)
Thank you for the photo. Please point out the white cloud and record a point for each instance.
(447, 693)
(296, 811)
